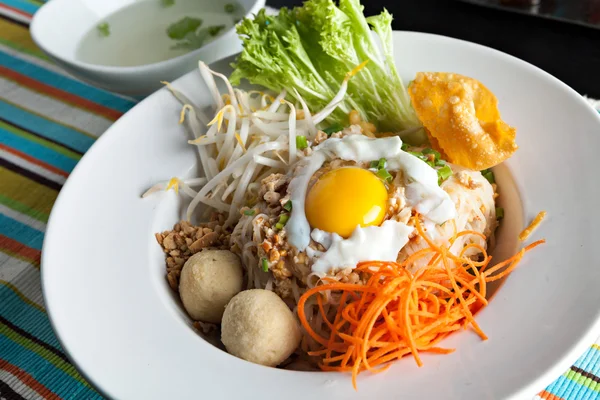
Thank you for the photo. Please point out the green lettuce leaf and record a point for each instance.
(312, 48)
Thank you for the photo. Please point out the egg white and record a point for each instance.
(382, 242)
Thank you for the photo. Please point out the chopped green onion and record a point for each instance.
(229, 8)
(103, 29)
(431, 151)
(444, 173)
(384, 175)
(288, 206)
(418, 155)
(423, 157)
(405, 146)
(167, 3)
(250, 212)
(499, 212)
(426, 154)
(333, 129)
(489, 175)
(379, 164)
(265, 264)
(283, 219)
(301, 142)
(429, 154)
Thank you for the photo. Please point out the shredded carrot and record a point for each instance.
(534, 224)
(396, 312)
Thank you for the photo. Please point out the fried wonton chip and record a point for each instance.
(462, 119)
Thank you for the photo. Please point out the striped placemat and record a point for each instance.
(47, 121)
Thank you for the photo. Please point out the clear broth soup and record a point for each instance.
(151, 31)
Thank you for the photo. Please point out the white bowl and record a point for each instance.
(103, 273)
(59, 25)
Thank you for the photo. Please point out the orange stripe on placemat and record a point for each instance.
(20, 249)
(16, 11)
(66, 97)
(28, 380)
(34, 160)
(548, 396)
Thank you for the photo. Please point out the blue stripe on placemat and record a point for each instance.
(44, 127)
(26, 317)
(590, 361)
(21, 233)
(65, 83)
(45, 372)
(568, 389)
(24, 6)
(36, 150)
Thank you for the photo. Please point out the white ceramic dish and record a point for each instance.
(109, 302)
(59, 25)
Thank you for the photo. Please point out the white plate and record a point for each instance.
(109, 302)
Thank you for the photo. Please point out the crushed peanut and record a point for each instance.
(186, 240)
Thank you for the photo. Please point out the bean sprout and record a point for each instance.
(252, 135)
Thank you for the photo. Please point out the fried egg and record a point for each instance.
(382, 242)
(345, 198)
(345, 208)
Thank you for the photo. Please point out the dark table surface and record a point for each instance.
(569, 52)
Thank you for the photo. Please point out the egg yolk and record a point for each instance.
(344, 198)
